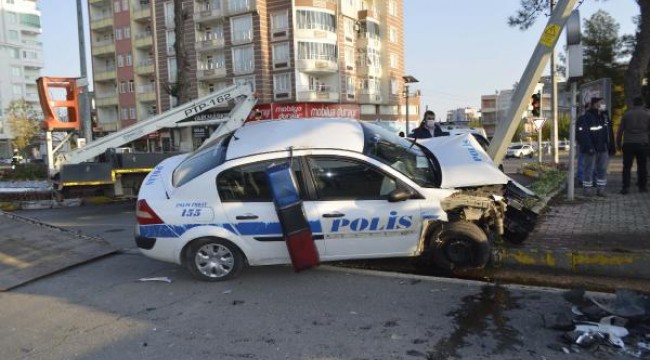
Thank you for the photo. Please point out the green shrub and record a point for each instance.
(29, 171)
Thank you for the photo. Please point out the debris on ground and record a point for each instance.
(618, 325)
(161, 279)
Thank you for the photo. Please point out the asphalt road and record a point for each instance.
(100, 310)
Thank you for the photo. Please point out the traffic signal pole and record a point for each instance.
(529, 78)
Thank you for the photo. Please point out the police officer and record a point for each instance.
(595, 138)
(632, 138)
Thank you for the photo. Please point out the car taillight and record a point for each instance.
(145, 215)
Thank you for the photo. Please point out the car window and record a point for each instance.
(344, 179)
(249, 183)
(401, 154)
(201, 161)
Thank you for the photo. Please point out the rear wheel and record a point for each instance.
(211, 259)
(461, 244)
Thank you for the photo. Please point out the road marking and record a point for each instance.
(12, 261)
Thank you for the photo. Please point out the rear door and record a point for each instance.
(356, 217)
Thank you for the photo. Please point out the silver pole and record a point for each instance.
(84, 97)
(554, 138)
(406, 89)
(572, 142)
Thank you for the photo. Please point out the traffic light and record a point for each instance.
(536, 103)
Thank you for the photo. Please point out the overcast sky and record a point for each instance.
(457, 49)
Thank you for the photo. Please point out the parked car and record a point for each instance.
(366, 193)
(520, 151)
(564, 145)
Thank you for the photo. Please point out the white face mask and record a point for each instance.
(431, 124)
(602, 107)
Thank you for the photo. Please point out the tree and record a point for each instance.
(640, 60)
(23, 122)
(180, 89)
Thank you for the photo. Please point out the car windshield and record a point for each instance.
(202, 160)
(514, 147)
(404, 156)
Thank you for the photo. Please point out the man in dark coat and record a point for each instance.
(596, 141)
(632, 138)
(428, 127)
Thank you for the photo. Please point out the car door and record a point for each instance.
(356, 217)
(248, 204)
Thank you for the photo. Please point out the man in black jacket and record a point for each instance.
(632, 138)
(596, 141)
(428, 127)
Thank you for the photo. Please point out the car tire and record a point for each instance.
(461, 244)
(213, 259)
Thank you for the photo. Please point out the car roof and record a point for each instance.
(279, 135)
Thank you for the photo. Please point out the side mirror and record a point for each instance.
(399, 195)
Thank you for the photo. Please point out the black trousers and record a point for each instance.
(640, 153)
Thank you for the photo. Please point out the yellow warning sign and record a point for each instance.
(550, 35)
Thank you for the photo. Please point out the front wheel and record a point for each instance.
(211, 259)
(461, 244)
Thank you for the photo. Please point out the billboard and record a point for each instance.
(305, 110)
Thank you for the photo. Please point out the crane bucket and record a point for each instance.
(51, 106)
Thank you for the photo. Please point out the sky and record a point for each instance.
(458, 50)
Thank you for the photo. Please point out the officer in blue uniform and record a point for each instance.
(596, 141)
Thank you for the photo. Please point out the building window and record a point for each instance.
(131, 86)
(281, 54)
(279, 23)
(122, 87)
(394, 86)
(392, 34)
(172, 69)
(171, 41)
(132, 113)
(316, 20)
(12, 17)
(348, 29)
(17, 90)
(125, 5)
(238, 5)
(392, 7)
(9, 2)
(348, 53)
(120, 60)
(394, 60)
(282, 85)
(316, 51)
(247, 80)
(243, 59)
(30, 20)
(127, 32)
(30, 55)
(116, 7)
(241, 29)
(124, 113)
(16, 71)
(14, 53)
(349, 85)
(118, 34)
(12, 35)
(129, 59)
(370, 85)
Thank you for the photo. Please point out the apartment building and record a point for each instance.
(21, 60)
(303, 58)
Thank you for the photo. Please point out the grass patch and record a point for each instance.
(549, 178)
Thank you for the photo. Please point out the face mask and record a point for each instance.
(431, 123)
(602, 107)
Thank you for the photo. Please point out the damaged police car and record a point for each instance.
(366, 193)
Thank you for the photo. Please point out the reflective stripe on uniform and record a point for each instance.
(595, 128)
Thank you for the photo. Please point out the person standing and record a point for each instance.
(632, 138)
(595, 139)
(428, 127)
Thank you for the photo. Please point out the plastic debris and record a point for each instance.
(161, 279)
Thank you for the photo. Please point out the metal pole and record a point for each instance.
(572, 141)
(84, 98)
(49, 149)
(406, 89)
(540, 152)
(554, 138)
(529, 78)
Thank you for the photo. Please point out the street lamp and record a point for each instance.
(408, 79)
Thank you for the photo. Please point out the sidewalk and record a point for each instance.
(590, 235)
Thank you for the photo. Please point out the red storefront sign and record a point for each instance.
(305, 110)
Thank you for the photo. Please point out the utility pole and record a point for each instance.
(84, 97)
(554, 139)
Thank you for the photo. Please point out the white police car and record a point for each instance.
(367, 193)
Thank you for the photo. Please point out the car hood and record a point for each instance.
(463, 163)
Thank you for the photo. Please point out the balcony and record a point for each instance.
(369, 97)
(101, 48)
(146, 93)
(141, 12)
(211, 42)
(366, 70)
(368, 40)
(101, 23)
(145, 67)
(106, 99)
(210, 71)
(318, 64)
(317, 34)
(98, 2)
(105, 75)
(207, 12)
(143, 40)
(319, 93)
(371, 13)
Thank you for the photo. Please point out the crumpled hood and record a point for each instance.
(463, 162)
